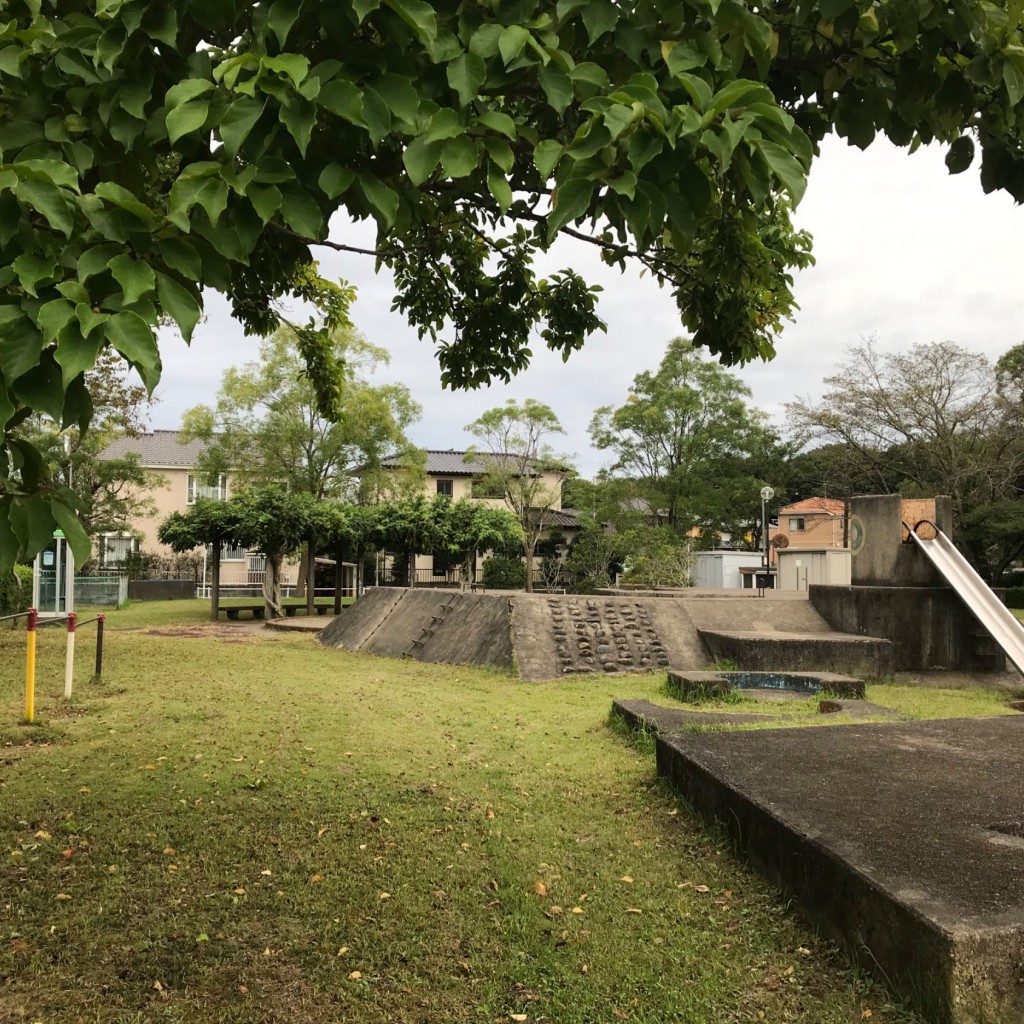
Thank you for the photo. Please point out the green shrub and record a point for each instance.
(1014, 597)
(16, 590)
(500, 573)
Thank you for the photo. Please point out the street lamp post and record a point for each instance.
(766, 495)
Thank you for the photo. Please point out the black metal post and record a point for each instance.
(100, 619)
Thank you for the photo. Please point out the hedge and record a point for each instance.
(501, 573)
(16, 590)
(1013, 597)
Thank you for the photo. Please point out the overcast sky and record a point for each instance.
(903, 249)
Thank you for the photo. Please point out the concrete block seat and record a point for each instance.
(233, 612)
(902, 840)
(846, 653)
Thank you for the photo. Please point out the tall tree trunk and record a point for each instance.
(310, 576)
(300, 579)
(215, 583)
(412, 568)
(528, 552)
(272, 588)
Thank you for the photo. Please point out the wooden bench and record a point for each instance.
(232, 611)
(291, 610)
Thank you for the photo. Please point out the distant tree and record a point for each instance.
(207, 522)
(112, 493)
(687, 439)
(267, 428)
(935, 419)
(516, 452)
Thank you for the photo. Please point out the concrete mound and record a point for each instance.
(551, 636)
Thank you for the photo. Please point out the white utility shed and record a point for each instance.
(800, 567)
(720, 570)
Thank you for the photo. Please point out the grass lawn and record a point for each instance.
(245, 827)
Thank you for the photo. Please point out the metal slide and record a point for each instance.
(1006, 629)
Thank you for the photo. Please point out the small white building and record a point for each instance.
(720, 570)
(800, 567)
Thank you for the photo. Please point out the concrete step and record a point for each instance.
(865, 656)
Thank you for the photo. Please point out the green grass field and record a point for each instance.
(251, 828)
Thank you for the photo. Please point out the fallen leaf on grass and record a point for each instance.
(85, 789)
(633, 910)
(68, 854)
(628, 879)
(577, 910)
(43, 835)
(702, 888)
(789, 970)
(202, 937)
(170, 851)
(239, 891)
(384, 896)
(518, 1017)
(62, 896)
(555, 909)
(343, 951)
(866, 1014)
(540, 888)
(316, 878)
(585, 969)
(355, 975)
(803, 950)
(267, 872)
(490, 813)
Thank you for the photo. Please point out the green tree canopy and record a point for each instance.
(686, 438)
(154, 150)
(515, 448)
(267, 427)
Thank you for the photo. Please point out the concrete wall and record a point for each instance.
(880, 558)
(930, 627)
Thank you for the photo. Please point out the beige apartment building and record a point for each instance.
(813, 523)
(162, 453)
(457, 475)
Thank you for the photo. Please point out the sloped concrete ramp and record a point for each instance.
(551, 636)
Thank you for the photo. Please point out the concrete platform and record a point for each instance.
(905, 841)
(829, 651)
(642, 714)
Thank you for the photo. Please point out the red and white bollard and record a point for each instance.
(69, 663)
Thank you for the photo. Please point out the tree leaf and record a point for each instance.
(77, 538)
(20, 345)
(572, 200)
(96, 260)
(293, 65)
(299, 116)
(547, 155)
(281, 18)
(420, 158)
(419, 16)
(302, 214)
(179, 303)
(184, 91)
(499, 122)
(335, 179)
(344, 99)
(48, 201)
(189, 117)
(459, 157)
(31, 269)
(444, 124)
(238, 121)
(557, 86)
(599, 16)
(134, 276)
(960, 155)
(786, 167)
(77, 353)
(266, 201)
(181, 256)
(380, 197)
(120, 197)
(133, 338)
(499, 187)
(52, 316)
(511, 42)
(465, 75)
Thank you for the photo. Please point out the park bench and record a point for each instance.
(232, 611)
(291, 610)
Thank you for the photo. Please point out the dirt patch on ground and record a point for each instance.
(238, 633)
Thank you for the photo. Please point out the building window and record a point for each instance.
(201, 487)
(445, 487)
(116, 549)
(796, 524)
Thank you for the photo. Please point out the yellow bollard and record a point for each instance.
(30, 665)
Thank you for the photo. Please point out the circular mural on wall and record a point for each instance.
(856, 534)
